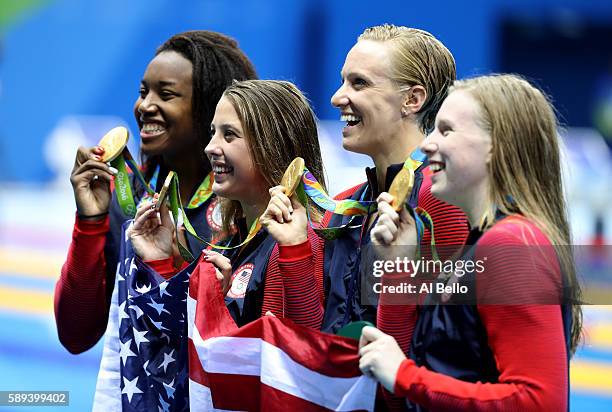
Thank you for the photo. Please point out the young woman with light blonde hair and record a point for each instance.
(495, 154)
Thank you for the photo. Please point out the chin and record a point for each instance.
(350, 144)
(439, 193)
(218, 190)
(151, 149)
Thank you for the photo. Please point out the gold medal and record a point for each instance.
(113, 143)
(293, 175)
(401, 187)
(164, 190)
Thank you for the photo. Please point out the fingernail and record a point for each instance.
(290, 209)
(113, 170)
(96, 157)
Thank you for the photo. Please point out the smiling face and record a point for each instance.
(236, 176)
(368, 100)
(164, 110)
(458, 151)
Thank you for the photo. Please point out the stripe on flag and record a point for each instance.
(269, 364)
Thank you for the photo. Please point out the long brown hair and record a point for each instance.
(279, 126)
(525, 166)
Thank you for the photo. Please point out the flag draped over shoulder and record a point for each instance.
(270, 364)
(152, 335)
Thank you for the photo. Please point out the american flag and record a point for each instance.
(152, 336)
(270, 364)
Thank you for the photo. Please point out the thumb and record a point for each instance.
(369, 334)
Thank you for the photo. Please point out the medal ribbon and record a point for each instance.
(348, 207)
(202, 195)
(125, 193)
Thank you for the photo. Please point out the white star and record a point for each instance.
(138, 311)
(143, 289)
(168, 359)
(130, 387)
(139, 337)
(158, 325)
(159, 307)
(169, 389)
(133, 267)
(125, 351)
(164, 405)
(162, 289)
(145, 366)
(122, 313)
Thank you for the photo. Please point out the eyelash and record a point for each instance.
(164, 94)
(358, 83)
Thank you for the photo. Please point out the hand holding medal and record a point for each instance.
(285, 218)
(91, 175)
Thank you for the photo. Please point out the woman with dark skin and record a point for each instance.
(178, 95)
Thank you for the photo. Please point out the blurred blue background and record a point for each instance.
(70, 70)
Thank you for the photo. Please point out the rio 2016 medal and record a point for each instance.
(293, 175)
(164, 190)
(401, 188)
(113, 143)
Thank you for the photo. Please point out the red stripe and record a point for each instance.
(331, 355)
(196, 372)
(239, 392)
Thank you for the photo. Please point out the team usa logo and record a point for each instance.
(240, 281)
(213, 215)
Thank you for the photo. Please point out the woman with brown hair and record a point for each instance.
(495, 154)
(259, 127)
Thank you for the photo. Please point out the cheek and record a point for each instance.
(135, 108)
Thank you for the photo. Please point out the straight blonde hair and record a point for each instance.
(417, 58)
(525, 166)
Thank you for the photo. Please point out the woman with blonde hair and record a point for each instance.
(495, 154)
(393, 82)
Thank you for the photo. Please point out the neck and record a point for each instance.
(252, 211)
(397, 151)
(475, 206)
(191, 170)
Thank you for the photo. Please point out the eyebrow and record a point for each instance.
(161, 83)
(444, 123)
(225, 126)
(355, 74)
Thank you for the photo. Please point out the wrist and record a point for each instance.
(90, 217)
(289, 253)
(293, 240)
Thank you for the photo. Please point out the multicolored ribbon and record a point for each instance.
(347, 207)
(202, 195)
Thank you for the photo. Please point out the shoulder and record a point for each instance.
(515, 230)
(346, 194)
